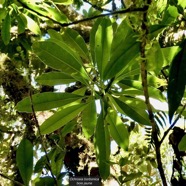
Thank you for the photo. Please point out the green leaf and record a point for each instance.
(170, 15)
(46, 101)
(92, 39)
(182, 3)
(32, 25)
(177, 81)
(155, 58)
(63, 2)
(55, 13)
(103, 40)
(46, 181)
(182, 144)
(76, 42)
(132, 109)
(68, 127)
(124, 50)
(132, 176)
(169, 54)
(60, 56)
(89, 119)
(55, 78)
(5, 31)
(118, 130)
(102, 147)
(61, 118)
(22, 23)
(40, 164)
(24, 159)
(127, 84)
(46, 10)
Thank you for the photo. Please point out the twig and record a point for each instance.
(146, 94)
(97, 7)
(41, 137)
(173, 124)
(6, 177)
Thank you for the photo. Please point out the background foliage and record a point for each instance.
(74, 82)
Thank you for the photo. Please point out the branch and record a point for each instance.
(173, 124)
(129, 10)
(146, 94)
(42, 141)
(15, 182)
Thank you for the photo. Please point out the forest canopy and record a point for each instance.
(80, 85)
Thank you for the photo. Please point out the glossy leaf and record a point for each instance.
(5, 31)
(170, 15)
(76, 42)
(182, 144)
(32, 25)
(60, 56)
(92, 39)
(103, 40)
(169, 54)
(89, 119)
(177, 81)
(46, 10)
(124, 50)
(46, 101)
(102, 147)
(55, 78)
(61, 118)
(127, 84)
(131, 109)
(118, 130)
(24, 159)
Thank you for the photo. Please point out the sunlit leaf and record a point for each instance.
(92, 39)
(61, 118)
(118, 130)
(182, 3)
(177, 81)
(24, 159)
(102, 147)
(170, 15)
(5, 31)
(155, 63)
(103, 40)
(55, 78)
(46, 10)
(125, 48)
(46, 101)
(32, 25)
(63, 2)
(131, 109)
(89, 119)
(60, 56)
(76, 42)
(127, 84)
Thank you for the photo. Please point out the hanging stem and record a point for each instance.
(146, 94)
